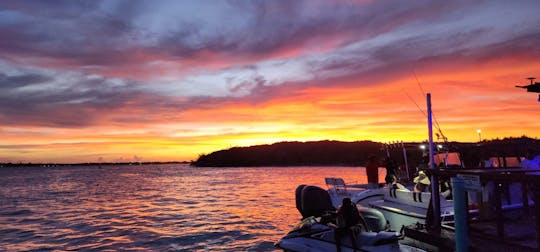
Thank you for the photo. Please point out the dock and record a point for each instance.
(491, 228)
(483, 237)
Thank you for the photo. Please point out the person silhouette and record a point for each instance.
(347, 218)
(421, 182)
(530, 161)
(372, 172)
(391, 170)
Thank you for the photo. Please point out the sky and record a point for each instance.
(110, 81)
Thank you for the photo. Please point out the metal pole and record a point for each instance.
(498, 210)
(405, 159)
(460, 214)
(435, 197)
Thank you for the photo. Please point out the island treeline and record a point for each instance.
(292, 154)
(337, 153)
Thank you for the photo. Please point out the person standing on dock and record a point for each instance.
(372, 172)
(424, 164)
(391, 170)
(531, 161)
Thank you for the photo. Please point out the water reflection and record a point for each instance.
(158, 207)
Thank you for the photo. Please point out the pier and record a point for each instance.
(489, 226)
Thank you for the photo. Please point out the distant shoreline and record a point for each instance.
(332, 153)
(86, 164)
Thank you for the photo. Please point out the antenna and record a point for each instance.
(437, 126)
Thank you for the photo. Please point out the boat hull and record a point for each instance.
(314, 237)
(303, 244)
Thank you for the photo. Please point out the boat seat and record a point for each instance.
(374, 239)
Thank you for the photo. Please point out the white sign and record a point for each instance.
(472, 182)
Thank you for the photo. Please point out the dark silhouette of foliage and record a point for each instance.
(336, 153)
(293, 154)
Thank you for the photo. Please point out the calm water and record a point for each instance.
(153, 207)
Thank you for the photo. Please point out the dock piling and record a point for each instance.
(460, 214)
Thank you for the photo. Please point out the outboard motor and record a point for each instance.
(312, 201)
(298, 197)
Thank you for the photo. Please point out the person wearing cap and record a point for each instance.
(421, 182)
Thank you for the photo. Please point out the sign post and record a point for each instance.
(471, 182)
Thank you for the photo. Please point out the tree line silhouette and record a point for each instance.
(338, 153)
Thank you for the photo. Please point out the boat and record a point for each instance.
(316, 231)
(385, 209)
(400, 207)
(311, 235)
(404, 207)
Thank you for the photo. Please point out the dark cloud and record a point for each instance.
(88, 34)
(94, 35)
(410, 52)
(525, 47)
(278, 25)
(9, 82)
(40, 99)
(34, 99)
(58, 9)
(71, 32)
(246, 86)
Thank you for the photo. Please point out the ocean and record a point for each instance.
(166, 207)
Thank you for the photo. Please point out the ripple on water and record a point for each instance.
(30, 220)
(261, 246)
(189, 202)
(46, 248)
(150, 208)
(22, 212)
(7, 231)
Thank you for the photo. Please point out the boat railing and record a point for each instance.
(337, 184)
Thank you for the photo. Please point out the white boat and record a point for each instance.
(316, 232)
(405, 207)
(312, 236)
(395, 207)
(399, 206)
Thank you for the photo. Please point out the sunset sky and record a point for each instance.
(106, 81)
